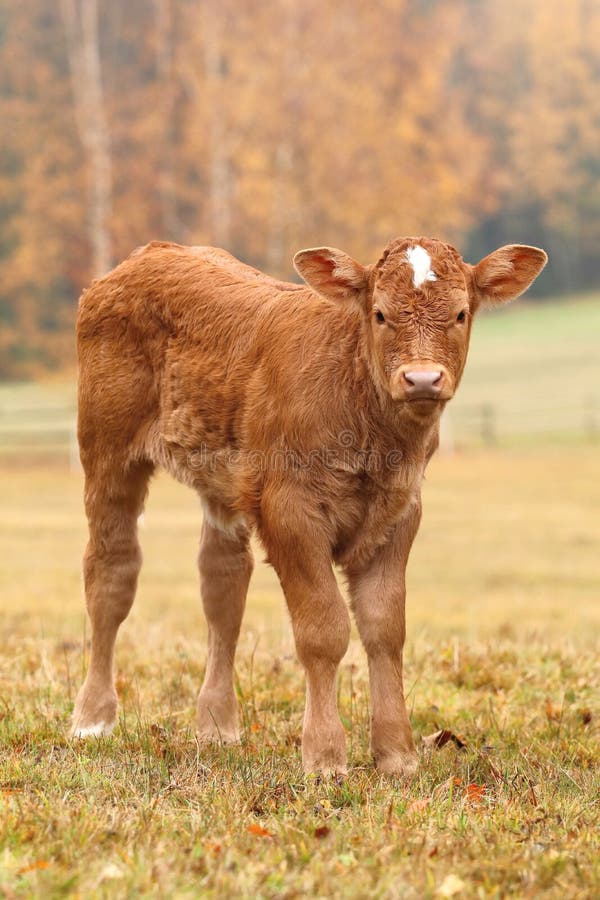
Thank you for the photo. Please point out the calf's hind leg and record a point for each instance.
(225, 563)
(112, 562)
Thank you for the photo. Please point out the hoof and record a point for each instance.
(217, 722)
(99, 729)
(404, 765)
(326, 772)
(94, 714)
(328, 763)
(324, 751)
(214, 735)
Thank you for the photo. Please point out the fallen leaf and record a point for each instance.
(418, 805)
(450, 886)
(123, 687)
(390, 813)
(553, 712)
(447, 787)
(322, 831)
(531, 793)
(476, 792)
(585, 715)
(159, 732)
(439, 739)
(496, 775)
(433, 852)
(34, 866)
(258, 831)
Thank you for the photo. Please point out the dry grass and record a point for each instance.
(503, 650)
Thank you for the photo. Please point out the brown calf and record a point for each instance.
(306, 413)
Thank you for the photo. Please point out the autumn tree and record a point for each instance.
(537, 69)
(271, 126)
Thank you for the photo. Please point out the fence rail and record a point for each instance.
(492, 424)
(40, 432)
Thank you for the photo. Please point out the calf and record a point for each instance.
(306, 413)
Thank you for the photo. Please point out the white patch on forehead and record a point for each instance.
(420, 260)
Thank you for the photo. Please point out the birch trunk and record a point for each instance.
(284, 208)
(164, 66)
(219, 199)
(80, 19)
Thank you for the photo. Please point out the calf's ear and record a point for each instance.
(506, 273)
(331, 273)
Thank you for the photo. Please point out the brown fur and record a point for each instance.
(286, 408)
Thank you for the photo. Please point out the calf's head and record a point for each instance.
(418, 304)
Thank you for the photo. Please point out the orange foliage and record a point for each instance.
(266, 127)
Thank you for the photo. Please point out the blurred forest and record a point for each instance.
(267, 126)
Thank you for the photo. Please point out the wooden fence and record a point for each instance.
(45, 433)
(491, 424)
(39, 433)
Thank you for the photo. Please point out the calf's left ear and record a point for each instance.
(506, 273)
(331, 273)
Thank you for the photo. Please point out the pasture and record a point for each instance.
(502, 652)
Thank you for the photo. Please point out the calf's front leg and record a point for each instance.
(377, 591)
(321, 627)
(321, 632)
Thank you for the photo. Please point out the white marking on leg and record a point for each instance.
(420, 261)
(100, 729)
(227, 524)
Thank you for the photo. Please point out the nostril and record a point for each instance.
(425, 382)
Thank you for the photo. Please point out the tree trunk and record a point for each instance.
(284, 207)
(281, 208)
(164, 67)
(80, 19)
(219, 200)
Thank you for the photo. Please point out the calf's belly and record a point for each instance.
(214, 472)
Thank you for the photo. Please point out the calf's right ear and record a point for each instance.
(331, 273)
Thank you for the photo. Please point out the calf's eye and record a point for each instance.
(461, 316)
(380, 316)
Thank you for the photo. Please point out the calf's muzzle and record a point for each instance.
(422, 384)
